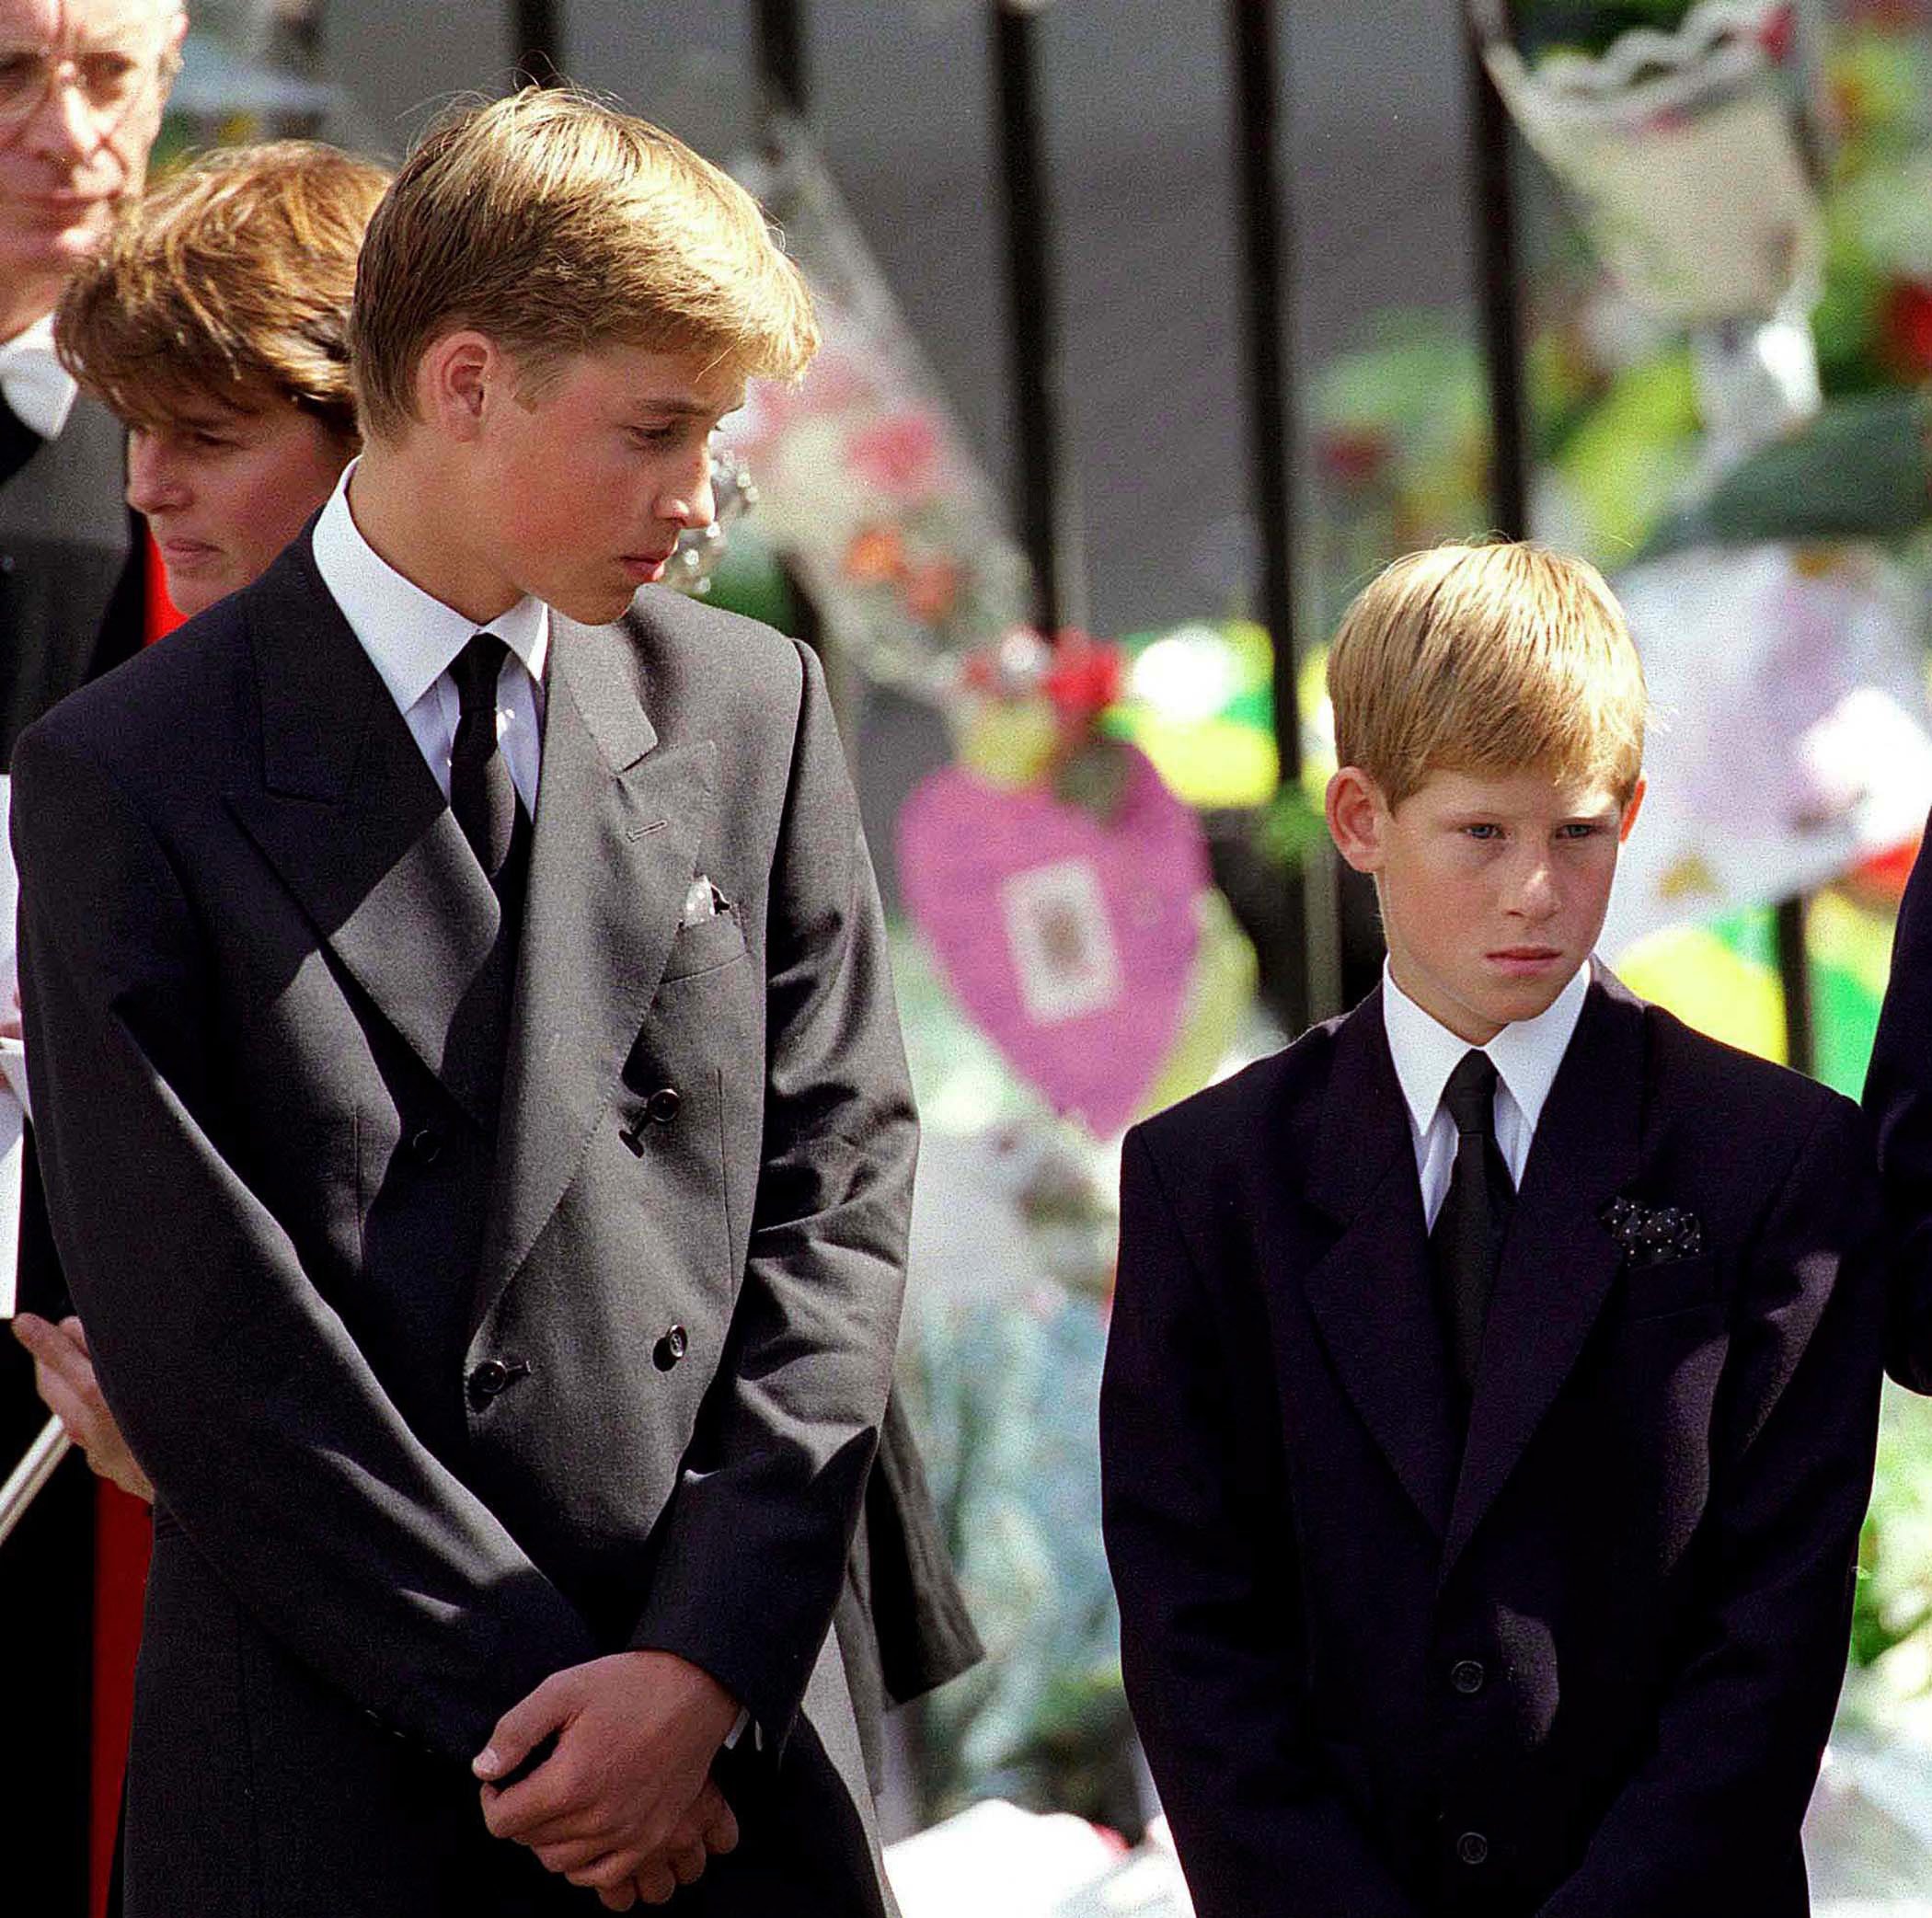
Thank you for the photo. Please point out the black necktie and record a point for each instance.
(1468, 1240)
(482, 794)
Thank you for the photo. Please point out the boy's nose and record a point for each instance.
(690, 502)
(1532, 890)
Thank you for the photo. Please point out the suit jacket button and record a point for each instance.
(487, 1379)
(663, 1104)
(669, 1349)
(427, 1145)
(1472, 1848)
(1467, 1676)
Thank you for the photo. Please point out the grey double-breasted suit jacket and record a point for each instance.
(457, 1359)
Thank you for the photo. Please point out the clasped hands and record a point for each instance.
(624, 1803)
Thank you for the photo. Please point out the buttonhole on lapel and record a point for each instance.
(657, 825)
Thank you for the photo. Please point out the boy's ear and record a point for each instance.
(453, 380)
(1631, 808)
(1357, 817)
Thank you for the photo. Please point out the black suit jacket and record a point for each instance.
(72, 577)
(1584, 1666)
(1898, 1098)
(438, 1402)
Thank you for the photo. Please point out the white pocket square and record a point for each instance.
(701, 902)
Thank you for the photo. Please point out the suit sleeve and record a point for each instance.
(1898, 1098)
(754, 1544)
(267, 1435)
(1743, 1725)
(1202, 1557)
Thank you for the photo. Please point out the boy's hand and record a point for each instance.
(63, 1376)
(624, 1803)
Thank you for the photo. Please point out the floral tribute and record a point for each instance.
(1064, 889)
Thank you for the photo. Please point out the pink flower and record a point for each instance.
(895, 454)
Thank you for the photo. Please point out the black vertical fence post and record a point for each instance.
(1794, 974)
(1311, 920)
(1271, 409)
(784, 95)
(1494, 206)
(1794, 970)
(781, 56)
(536, 32)
(1032, 315)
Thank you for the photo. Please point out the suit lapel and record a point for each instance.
(1370, 1292)
(1558, 1260)
(619, 819)
(350, 817)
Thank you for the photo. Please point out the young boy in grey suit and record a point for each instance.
(470, 985)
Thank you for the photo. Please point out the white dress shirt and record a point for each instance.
(38, 387)
(413, 641)
(1525, 1054)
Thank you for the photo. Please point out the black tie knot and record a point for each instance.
(1470, 1096)
(475, 671)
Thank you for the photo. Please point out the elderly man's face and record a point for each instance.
(82, 85)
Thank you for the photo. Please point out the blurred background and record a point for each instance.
(1152, 332)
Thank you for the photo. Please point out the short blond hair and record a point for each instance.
(1487, 658)
(555, 224)
(228, 282)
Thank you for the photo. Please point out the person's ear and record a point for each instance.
(1632, 807)
(1358, 818)
(454, 382)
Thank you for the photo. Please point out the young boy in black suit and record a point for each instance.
(1491, 1392)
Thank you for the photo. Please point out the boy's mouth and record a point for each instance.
(1525, 960)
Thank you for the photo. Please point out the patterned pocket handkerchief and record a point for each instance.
(701, 902)
(1653, 1235)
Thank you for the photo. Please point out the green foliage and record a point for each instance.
(1292, 826)
(1894, 1596)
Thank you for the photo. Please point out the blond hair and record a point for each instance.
(555, 224)
(1489, 658)
(229, 281)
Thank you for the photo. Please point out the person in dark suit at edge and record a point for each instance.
(1491, 1392)
(82, 86)
(493, 1013)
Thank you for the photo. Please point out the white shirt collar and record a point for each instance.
(411, 637)
(1526, 1053)
(38, 387)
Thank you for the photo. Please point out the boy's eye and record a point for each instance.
(1483, 830)
(1579, 829)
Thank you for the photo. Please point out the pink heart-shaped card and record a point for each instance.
(1068, 939)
